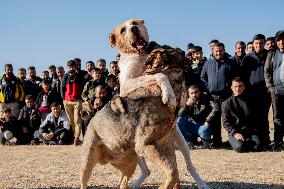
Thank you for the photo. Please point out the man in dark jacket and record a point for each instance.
(30, 120)
(196, 117)
(252, 69)
(239, 120)
(274, 78)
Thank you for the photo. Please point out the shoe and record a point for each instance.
(77, 142)
(191, 146)
(34, 142)
(60, 142)
(205, 144)
(276, 145)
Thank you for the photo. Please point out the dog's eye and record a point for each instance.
(134, 23)
(122, 30)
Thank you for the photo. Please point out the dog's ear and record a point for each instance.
(112, 39)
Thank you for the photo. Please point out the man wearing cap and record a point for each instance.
(274, 79)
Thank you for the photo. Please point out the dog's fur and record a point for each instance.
(138, 124)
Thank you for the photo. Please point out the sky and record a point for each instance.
(41, 33)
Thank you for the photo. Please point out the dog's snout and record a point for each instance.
(134, 29)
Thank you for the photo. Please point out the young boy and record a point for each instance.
(8, 127)
(55, 129)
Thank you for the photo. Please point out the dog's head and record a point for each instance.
(130, 37)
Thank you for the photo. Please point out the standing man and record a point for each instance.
(32, 84)
(101, 64)
(240, 52)
(216, 76)
(72, 87)
(11, 91)
(253, 72)
(274, 79)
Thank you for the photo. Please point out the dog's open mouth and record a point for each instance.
(139, 44)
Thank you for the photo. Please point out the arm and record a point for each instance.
(227, 119)
(85, 92)
(268, 75)
(212, 115)
(204, 76)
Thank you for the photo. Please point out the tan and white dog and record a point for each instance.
(146, 127)
(131, 38)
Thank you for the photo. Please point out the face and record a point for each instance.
(56, 111)
(111, 83)
(240, 49)
(78, 65)
(269, 44)
(90, 67)
(197, 55)
(45, 87)
(100, 92)
(218, 52)
(250, 48)
(280, 45)
(7, 115)
(101, 65)
(60, 72)
(71, 69)
(212, 46)
(130, 37)
(238, 88)
(44, 75)
(194, 93)
(32, 73)
(114, 69)
(22, 74)
(9, 70)
(52, 71)
(258, 45)
(30, 103)
(96, 75)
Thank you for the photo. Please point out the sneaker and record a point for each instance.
(191, 146)
(34, 142)
(77, 142)
(60, 142)
(276, 145)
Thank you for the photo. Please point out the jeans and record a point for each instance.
(250, 144)
(190, 130)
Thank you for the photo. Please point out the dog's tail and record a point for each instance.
(181, 143)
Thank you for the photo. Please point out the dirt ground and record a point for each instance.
(56, 167)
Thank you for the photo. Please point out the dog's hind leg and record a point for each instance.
(181, 143)
(165, 158)
(90, 157)
(144, 172)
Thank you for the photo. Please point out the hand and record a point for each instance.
(98, 103)
(190, 102)
(239, 137)
(206, 124)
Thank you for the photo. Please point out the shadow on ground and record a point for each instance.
(215, 185)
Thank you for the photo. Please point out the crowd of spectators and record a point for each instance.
(235, 92)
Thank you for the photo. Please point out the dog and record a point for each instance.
(138, 124)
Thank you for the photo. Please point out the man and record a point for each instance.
(270, 43)
(216, 76)
(56, 84)
(55, 129)
(274, 79)
(90, 65)
(252, 70)
(22, 73)
(45, 76)
(196, 118)
(101, 64)
(11, 91)
(71, 90)
(52, 72)
(250, 48)
(239, 121)
(212, 43)
(114, 76)
(240, 52)
(30, 120)
(32, 84)
(78, 67)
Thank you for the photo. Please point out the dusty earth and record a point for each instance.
(57, 167)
